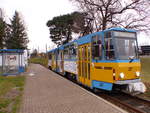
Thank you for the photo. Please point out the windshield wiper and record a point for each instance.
(131, 58)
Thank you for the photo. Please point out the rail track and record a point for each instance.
(128, 102)
(132, 104)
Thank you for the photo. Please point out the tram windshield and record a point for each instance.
(126, 45)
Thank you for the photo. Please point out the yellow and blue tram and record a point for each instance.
(103, 60)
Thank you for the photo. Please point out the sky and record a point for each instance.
(37, 12)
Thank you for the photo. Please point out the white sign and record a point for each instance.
(124, 34)
(11, 60)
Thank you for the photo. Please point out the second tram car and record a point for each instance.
(105, 60)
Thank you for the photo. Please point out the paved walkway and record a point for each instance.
(47, 92)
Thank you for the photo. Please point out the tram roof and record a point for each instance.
(119, 29)
(87, 38)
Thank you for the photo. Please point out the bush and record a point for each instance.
(145, 66)
(42, 61)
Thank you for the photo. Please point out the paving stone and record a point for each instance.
(47, 92)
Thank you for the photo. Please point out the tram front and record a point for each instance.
(122, 48)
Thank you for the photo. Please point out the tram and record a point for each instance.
(106, 60)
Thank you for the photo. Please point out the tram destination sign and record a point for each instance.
(124, 34)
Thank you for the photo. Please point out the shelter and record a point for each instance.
(13, 61)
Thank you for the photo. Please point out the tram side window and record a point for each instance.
(58, 53)
(66, 52)
(96, 47)
(73, 51)
(55, 54)
(109, 48)
(49, 56)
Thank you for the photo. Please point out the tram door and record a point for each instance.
(84, 61)
(62, 62)
(53, 61)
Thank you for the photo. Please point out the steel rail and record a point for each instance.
(125, 105)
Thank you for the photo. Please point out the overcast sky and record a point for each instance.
(36, 13)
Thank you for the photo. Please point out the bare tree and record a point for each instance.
(103, 14)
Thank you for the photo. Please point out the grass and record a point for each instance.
(42, 61)
(145, 65)
(11, 88)
(145, 68)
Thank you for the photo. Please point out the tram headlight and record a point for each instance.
(137, 74)
(121, 75)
